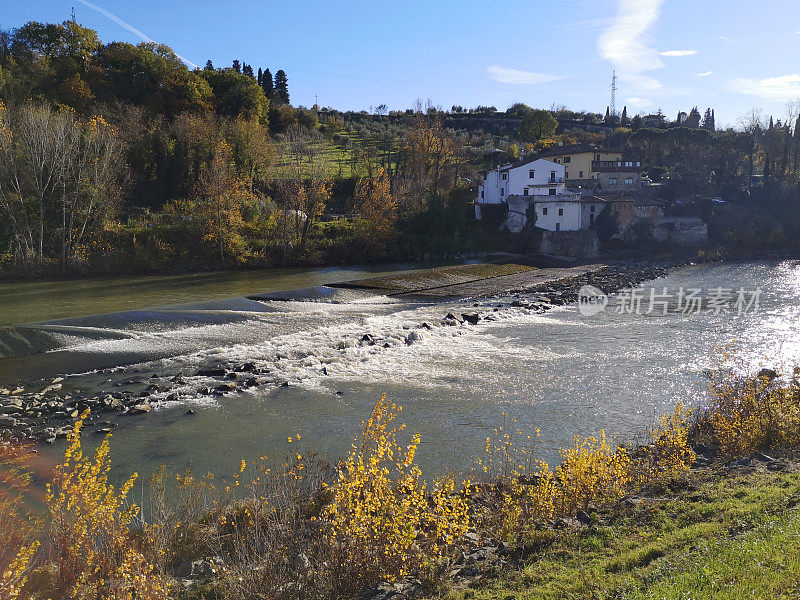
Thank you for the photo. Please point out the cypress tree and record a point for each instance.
(624, 120)
(267, 85)
(248, 70)
(260, 75)
(236, 66)
(282, 86)
(209, 65)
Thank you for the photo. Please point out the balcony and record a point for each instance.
(549, 181)
(616, 166)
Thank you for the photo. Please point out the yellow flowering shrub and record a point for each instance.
(752, 414)
(671, 452)
(527, 500)
(591, 471)
(95, 553)
(381, 520)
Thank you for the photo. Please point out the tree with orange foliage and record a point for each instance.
(377, 213)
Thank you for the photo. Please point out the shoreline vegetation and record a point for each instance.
(609, 521)
(117, 159)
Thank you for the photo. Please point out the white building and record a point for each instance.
(535, 188)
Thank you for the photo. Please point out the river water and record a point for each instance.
(560, 372)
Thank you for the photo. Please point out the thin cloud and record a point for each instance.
(703, 74)
(623, 43)
(783, 88)
(131, 28)
(516, 77)
(678, 52)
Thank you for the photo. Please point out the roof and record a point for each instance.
(525, 161)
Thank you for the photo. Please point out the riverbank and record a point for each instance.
(699, 538)
(689, 511)
(46, 411)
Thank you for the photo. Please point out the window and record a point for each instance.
(558, 226)
(502, 191)
(544, 210)
(481, 193)
(629, 181)
(505, 176)
(566, 174)
(613, 181)
(597, 157)
(525, 192)
(552, 191)
(591, 219)
(552, 175)
(560, 212)
(531, 174)
(567, 159)
(580, 174)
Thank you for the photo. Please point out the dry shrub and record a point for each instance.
(94, 551)
(382, 523)
(17, 525)
(271, 536)
(15, 575)
(750, 414)
(180, 517)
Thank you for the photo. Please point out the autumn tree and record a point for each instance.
(58, 180)
(220, 193)
(427, 162)
(376, 213)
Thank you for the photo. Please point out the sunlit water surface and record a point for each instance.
(559, 372)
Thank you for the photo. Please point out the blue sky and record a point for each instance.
(732, 55)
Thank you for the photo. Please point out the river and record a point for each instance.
(560, 372)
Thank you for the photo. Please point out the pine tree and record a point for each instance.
(282, 86)
(209, 65)
(267, 85)
(248, 70)
(260, 76)
(236, 66)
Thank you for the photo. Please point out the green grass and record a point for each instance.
(730, 536)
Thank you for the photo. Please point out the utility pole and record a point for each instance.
(614, 93)
(316, 100)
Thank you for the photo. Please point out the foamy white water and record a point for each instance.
(560, 372)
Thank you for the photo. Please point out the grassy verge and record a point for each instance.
(726, 534)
